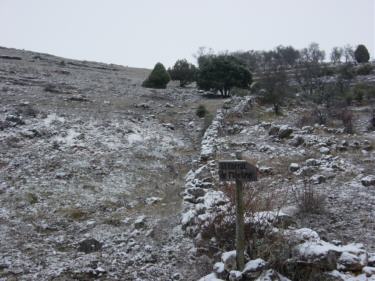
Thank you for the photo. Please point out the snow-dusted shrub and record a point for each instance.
(309, 200)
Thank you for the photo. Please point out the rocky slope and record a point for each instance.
(91, 169)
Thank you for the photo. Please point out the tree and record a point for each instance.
(222, 73)
(158, 78)
(336, 55)
(183, 71)
(361, 54)
(348, 53)
(275, 88)
(312, 54)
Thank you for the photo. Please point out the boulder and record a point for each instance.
(254, 268)
(235, 275)
(352, 262)
(368, 180)
(324, 150)
(89, 246)
(229, 260)
(297, 141)
(294, 167)
(284, 132)
(219, 270)
(274, 130)
(318, 179)
(271, 275)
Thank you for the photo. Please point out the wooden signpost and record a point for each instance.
(239, 171)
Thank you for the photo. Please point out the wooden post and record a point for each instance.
(240, 230)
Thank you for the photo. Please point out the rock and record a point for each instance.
(322, 254)
(229, 260)
(368, 270)
(17, 120)
(368, 180)
(254, 268)
(196, 192)
(235, 275)
(140, 222)
(220, 270)
(297, 141)
(265, 170)
(324, 150)
(284, 132)
(80, 98)
(318, 179)
(271, 275)
(5, 125)
(302, 235)
(371, 259)
(168, 126)
(312, 162)
(351, 262)
(210, 277)
(89, 246)
(274, 130)
(308, 129)
(152, 200)
(294, 167)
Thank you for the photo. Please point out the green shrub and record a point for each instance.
(201, 111)
(158, 78)
(365, 69)
(347, 71)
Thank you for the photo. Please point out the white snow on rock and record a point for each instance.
(210, 277)
(254, 265)
(229, 260)
(368, 180)
(271, 275)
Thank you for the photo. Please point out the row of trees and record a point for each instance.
(288, 57)
(218, 73)
(222, 72)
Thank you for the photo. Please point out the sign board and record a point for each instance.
(231, 170)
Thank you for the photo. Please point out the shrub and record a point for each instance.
(308, 200)
(365, 69)
(347, 120)
(361, 54)
(201, 111)
(183, 71)
(158, 78)
(347, 72)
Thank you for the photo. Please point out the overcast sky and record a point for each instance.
(142, 32)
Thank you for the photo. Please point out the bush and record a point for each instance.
(347, 120)
(201, 111)
(365, 69)
(361, 54)
(158, 78)
(308, 200)
(184, 72)
(347, 72)
(363, 92)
